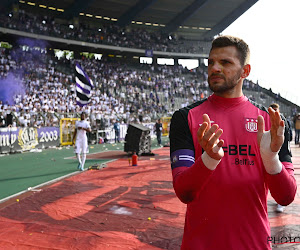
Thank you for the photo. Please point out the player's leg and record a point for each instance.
(85, 150)
(79, 161)
(83, 161)
(77, 151)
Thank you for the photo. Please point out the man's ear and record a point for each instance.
(246, 71)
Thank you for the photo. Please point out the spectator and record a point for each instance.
(117, 130)
(158, 131)
(297, 128)
(2, 120)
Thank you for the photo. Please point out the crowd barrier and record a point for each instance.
(20, 139)
(109, 134)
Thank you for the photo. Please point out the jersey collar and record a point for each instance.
(227, 102)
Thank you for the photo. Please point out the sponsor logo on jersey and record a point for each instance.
(239, 150)
(251, 124)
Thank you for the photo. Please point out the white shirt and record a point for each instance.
(81, 134)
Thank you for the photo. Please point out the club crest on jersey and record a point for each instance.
(251, 125)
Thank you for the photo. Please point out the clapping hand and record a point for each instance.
(271, 141)
(208, 137)
(276, 131)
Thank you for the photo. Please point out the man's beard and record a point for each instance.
(226, 86)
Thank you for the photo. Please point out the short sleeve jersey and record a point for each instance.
(81, 134)
(230, 209)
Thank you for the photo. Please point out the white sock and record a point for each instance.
(79, 159)
(83, 160)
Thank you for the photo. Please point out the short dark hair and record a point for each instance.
(241, 46)
(83, 114)
(274, 106)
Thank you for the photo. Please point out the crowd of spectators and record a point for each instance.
(130, 93)
(139, 93)
(107, 33)
(45, 92)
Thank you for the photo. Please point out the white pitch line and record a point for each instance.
(71, 157)
(47, 183)
(43, 184)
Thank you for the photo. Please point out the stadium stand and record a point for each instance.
(81, 211)
(118, 89)
(125, 90)
(109, 34)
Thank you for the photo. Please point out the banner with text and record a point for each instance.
(28, 138)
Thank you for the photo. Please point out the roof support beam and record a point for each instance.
(223, 24)
(183, 16)
(130, 14)
(75, 8)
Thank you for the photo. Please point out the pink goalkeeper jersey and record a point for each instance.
(226, 207)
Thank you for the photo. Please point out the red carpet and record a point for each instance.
(117, 207)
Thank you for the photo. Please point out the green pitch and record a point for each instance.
(20, 171)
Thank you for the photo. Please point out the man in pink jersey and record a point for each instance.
(227, 153)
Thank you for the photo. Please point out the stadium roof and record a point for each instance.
(195, 19)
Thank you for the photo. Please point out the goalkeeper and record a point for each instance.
(225, 154)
